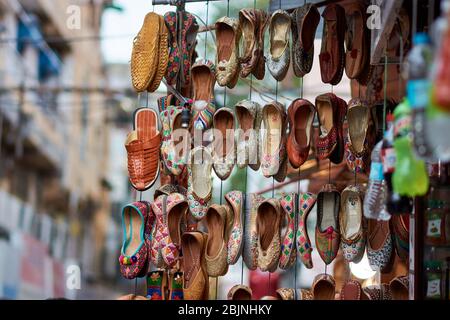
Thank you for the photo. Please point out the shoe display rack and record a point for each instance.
(367, 159)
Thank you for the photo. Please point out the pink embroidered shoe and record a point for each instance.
(199, 182)
(305, 203)
(288, 248)
(169, 211)
(203, 74)
(133, 256)
(235, 201)
(273, 142)
(327, 227)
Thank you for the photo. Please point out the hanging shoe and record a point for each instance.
(144, 56)
(196, 281)
(228, 35)
(399, 288)
(176, 286)
(279, 55)
(218, 222)
(301, 116)
(156, 285)
(307, 201)
(174, 63)
(248, 116)
(268, 224)
(273, 142)
(133, 254)
(400, 234)
(142, 146)
(189, 30)
(253, 24)
(332, 55)
(286, 294)
(239, 292)
(379, 245)
(251, 234)
(163, 56)
(199, 182)
(351, 220)
(359, 135)
(224, 147)
(352, 290)
(174, 152)
(305, 20)
(235, 200)
(324, 287)
(327, 227)
(203, 77)
(331, 112)
(288, 249)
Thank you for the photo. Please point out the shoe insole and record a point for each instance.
(225, 42)
(324, 290)
(352, 218)
(133, 223)
(224, 122)
(174, 217)
(215, 226)
(279, 35)
(201, 175)
(358, 118)
(325, 111)
(248, 38)
(329, 207)
(191, 259)
(202, 79)
(303, 121)
(265, 224)
(378, 230)
(273, 130)
(145, 123)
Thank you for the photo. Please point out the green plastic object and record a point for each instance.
(410, 177)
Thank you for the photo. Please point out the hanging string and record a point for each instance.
(276, 92)
(228, 8)
(135, 286)
(146, 104)
(268, 284)
(244, 221)
(139, 99)
(385, 90)
(301, 87)
(329, 172)
(140, 195)
(207, 20)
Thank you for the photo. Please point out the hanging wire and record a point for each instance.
(140, 195)
(135, 286)
(329, 171)
(207, 20)
(385, 90)
(301, 87)
(146, 104)
(228, 8)
(276, 91)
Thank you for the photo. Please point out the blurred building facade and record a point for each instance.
(55, 120)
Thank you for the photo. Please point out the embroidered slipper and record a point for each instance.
(144, 56)
(239, 292)
(400, 233)
(188, 42)
(175, 140)
(142, 146)
(268, 224)
(327, 226)
(307, 201)
(379, 245)
(156, 285)
(352, 290)
(305, 21)
(324, 287)
(351, 221)
(288, 249)
(228, 35)
(399, 288)
(235, 200)
(279, 55)
(224, 146)
(199, 182)
(250, 250)
(355, 40)
(286, 294)
(163, 56)
(248, 117)
(176, 286)
(133, 255)
(203, 77)
(173, 67)
(196, 280)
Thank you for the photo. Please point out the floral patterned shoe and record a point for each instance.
(189, 32)
(306, 203)
(199, 182)
(204, 78)
(248, 116)
(286, 294)
(327, 227)
(279, 56)
(156, 283)
(239, 292)
(274, 138)
(173, 67)
(250, 250)
(176, 286)
(288, 248)
(228, 35)
(224, 147)
(379, 245)
(268, 224)
(235, 201)
(133, 256)
(171, 146)
(351, 221)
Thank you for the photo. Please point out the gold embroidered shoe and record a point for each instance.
(196, 283)
(224, 147)
(279, 56)
(228, 35)
(268, 221)
(218, 221)
(235, 200)
(199, 182)
(250, 233)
